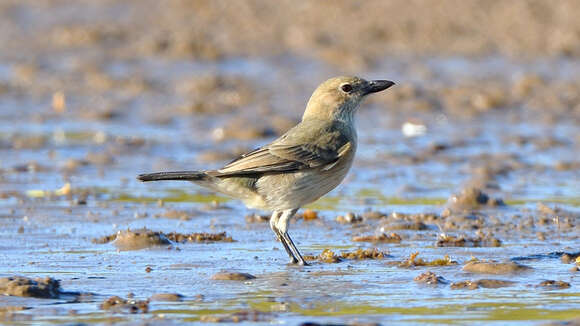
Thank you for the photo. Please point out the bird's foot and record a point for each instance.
(280, 238)
(303, 263)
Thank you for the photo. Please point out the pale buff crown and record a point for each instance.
(336, 99)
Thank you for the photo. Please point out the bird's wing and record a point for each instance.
(276, 158)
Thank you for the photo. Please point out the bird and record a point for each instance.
(296, 169)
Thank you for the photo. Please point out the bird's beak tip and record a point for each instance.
(379, 85)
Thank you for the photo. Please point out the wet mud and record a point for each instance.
(479, 267)
(37, 288)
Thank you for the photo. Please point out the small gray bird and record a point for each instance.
(301, 166)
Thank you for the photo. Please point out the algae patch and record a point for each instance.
(328, 256)
(413, 261)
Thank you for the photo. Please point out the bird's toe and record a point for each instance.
(303, 263)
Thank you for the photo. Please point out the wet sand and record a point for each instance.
(462, 205)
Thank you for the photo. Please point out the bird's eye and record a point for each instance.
(347, 88)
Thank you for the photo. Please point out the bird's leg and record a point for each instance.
(273, 221)
(282, 226)
(301, 260)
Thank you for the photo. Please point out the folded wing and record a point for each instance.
(277, 158)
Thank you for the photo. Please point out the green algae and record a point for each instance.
(449, 314)
(325, 203)
(174, 196)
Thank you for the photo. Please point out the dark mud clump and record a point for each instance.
(483, 283)
(564, 220)
(556, 212)
(328, 256)
(554, 285)
(482, 240)
(176, 214)
(135, 240)
(405, 225)
(119, 304)
(257, 218)
(405, 221)
(481, 267)
(361, 254)
(413, 261)
(381, 238)
(373, 215)
(470, 198)
(199, 237)
(105, 239)
(140, 239)
(430, 278)
(568, 258)
(238, 317)
(349, 218)
(25, 287)
(167, 297)
(232, 276)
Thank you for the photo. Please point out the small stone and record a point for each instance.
(484, 283)
(556, 285)
(257, 218)
(430, 278)
(309, 214)
(130, 305)
(349, 218)
(382, 238)
(168, 297)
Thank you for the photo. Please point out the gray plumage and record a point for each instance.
(299, 167)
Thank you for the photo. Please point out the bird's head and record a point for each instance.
(338, 98)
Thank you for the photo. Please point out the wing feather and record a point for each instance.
(282, 158)
(306, 146)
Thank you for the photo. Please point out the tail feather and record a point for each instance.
(174, 175)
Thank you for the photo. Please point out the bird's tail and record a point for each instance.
(174, 175)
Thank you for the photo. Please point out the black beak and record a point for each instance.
(377, 86)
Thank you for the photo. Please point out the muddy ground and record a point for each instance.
(462, 207)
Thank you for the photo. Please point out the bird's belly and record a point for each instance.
(288, 191)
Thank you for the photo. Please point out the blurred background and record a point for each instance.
(94, 92)
(111, 76)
